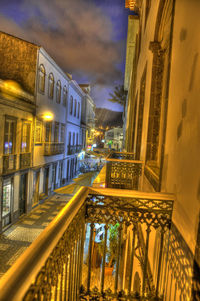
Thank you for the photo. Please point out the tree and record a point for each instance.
(118, 95)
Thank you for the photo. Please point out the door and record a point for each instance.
(23, 193)
(36, 186)
(46, 180)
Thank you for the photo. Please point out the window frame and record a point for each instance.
(26, 149)
(51, 82)
(13, 120)
(42, 79)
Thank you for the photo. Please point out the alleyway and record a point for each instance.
(15, 240)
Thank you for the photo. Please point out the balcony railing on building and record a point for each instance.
(9, 163)
(69, 260)
(73, 149)
(25, 160)
(53, 148)
(122, 171)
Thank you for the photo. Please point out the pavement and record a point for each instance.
(16, 239)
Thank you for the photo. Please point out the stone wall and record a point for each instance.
(18, 60)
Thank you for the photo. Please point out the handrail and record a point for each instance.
(26, 268)
(125, 160)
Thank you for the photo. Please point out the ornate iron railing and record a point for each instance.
(73, 149)
(63, 257)
(122, 171)
(25, 160)
(53, 148)
(9, 163)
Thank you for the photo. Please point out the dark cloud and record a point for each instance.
(77, 34)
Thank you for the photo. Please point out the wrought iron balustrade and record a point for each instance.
(73, 149)
(9, 163)
(122, 171)
(25, 160)
(61, 262)
(53, 148)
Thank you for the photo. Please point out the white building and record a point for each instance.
(114, 138)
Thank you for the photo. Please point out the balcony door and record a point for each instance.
(23, 193)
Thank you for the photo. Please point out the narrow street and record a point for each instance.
(15, 240)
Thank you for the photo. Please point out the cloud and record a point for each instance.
(77, 34)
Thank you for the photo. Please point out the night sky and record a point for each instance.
(86, 38)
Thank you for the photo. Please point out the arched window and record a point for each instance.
(64, 95)
(78, 109)
(51, 85)
(71, 105)
(75, 105)
(42, 75)
(58, 91)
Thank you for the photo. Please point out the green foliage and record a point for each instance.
(118, 95)
(112, 245)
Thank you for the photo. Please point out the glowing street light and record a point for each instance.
(48, 116)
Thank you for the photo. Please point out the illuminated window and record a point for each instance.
(51, 85)
(26, 133)
(38, 132)
(75, 105)
(71, 105)
(9, 135)
(58, 91)
(64, 95)
(78, 109)
(7, 197)
(42, 75)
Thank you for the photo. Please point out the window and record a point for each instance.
(75, 105)
(38, 132)
(9, 135)
(26, 135)
(58, 91)
(7, 197)
(62, 133)
(73, 138)
(48, 131)
(78, 109)
(76, 138)
(71, 105)
(69, 138)
(56, 132)
(64, 95)
(51, 85)
(42, 75)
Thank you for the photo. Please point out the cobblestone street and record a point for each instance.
(15, 240)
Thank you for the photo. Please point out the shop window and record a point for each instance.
(48, 131)
(78, 109)
(51, 85)
(71, 105)
(42, 75)
(56, 132)
(58, 91)
(26, 136)
(75, 105)
(64, 95)
(7, 196)
(9, 135)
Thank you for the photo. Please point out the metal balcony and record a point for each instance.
(73, 149)
(25, 160)
(122, 171)
(53, 148)
(9, 163)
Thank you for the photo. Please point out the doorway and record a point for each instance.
(46, 180)
(23, 193)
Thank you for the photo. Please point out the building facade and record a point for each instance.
(40, 126)
(114, 139)
(162, 127)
